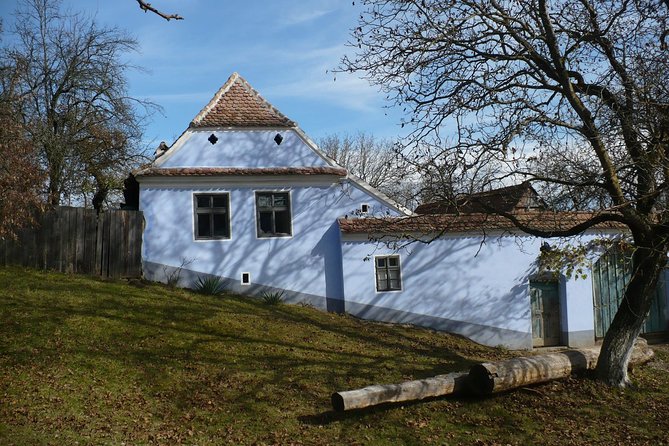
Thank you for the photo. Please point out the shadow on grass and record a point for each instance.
(199, 352)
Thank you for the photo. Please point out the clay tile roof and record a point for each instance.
(506, 199)
(237, 104)
(473, 222)
(238, 171)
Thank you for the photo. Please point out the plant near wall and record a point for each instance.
(210, 285)
(172, 278)
(273, 298)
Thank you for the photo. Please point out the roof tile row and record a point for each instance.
(237, 104)
(238, 171)
(457, 223)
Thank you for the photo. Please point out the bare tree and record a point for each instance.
(70, 75)
(570, 94)
(376, 161)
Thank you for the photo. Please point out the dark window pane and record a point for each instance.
(203, 225)
(221, 225)
(264, 201)
(280, 199)
(221, 201)
(388, 275)
(203, 201)
(282, 222)
(265, 223)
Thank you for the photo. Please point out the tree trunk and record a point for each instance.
(647, 264)
(54, 193)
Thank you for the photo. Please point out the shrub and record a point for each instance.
(210, 285)
(272, 298)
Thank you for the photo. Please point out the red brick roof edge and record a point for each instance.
(456, 223)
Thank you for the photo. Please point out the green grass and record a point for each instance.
(98, 362)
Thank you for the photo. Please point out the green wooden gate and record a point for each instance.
(610, 276)
(545, 304)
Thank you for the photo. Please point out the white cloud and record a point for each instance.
(302, 16)
(347, 91)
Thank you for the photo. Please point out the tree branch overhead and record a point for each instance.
(146, 7)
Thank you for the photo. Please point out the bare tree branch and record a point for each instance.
(148, 7)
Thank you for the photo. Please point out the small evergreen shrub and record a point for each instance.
(272, 298)
(210, 285)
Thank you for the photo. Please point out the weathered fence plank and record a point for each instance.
(77, 240)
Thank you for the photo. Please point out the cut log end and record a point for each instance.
(338, 402)
(480, 380)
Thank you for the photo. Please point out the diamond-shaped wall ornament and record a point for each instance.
(278, 138)
(213, 139)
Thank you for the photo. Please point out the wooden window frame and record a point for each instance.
(209, 212)
(385, 284)
(273, 209)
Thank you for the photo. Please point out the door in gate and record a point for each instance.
(610, 275)
(545, 304)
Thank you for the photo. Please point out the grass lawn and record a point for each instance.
(84, 361)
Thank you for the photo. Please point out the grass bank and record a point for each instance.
(84, 361)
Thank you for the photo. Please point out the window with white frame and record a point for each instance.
(388, 275)
(212, 216)
(273, 217)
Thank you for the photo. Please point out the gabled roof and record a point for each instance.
(519, 197)
(237, 104)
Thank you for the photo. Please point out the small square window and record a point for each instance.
(246, 278)
(388, 275)
(212, 216)
(364, 208)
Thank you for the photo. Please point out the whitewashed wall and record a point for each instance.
(461, 285)
(241, 148)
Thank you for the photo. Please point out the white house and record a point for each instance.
(243, 194)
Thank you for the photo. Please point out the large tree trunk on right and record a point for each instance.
(647, 264)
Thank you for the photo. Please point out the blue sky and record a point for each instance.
(283, 48)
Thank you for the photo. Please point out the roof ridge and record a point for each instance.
(214, 100)
(236, 80)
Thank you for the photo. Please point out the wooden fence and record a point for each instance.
(77, 240)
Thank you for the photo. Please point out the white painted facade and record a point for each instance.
(468, 284)
(306, 264)
(463, 283)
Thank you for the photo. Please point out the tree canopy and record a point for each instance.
(70, 76)
(572, 95)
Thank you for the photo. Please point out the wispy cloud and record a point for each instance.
(347, 91)
(200, 97)
(303, 16)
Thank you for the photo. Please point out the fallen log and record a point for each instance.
(392, 393)
(494, 377)
(486, 378)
